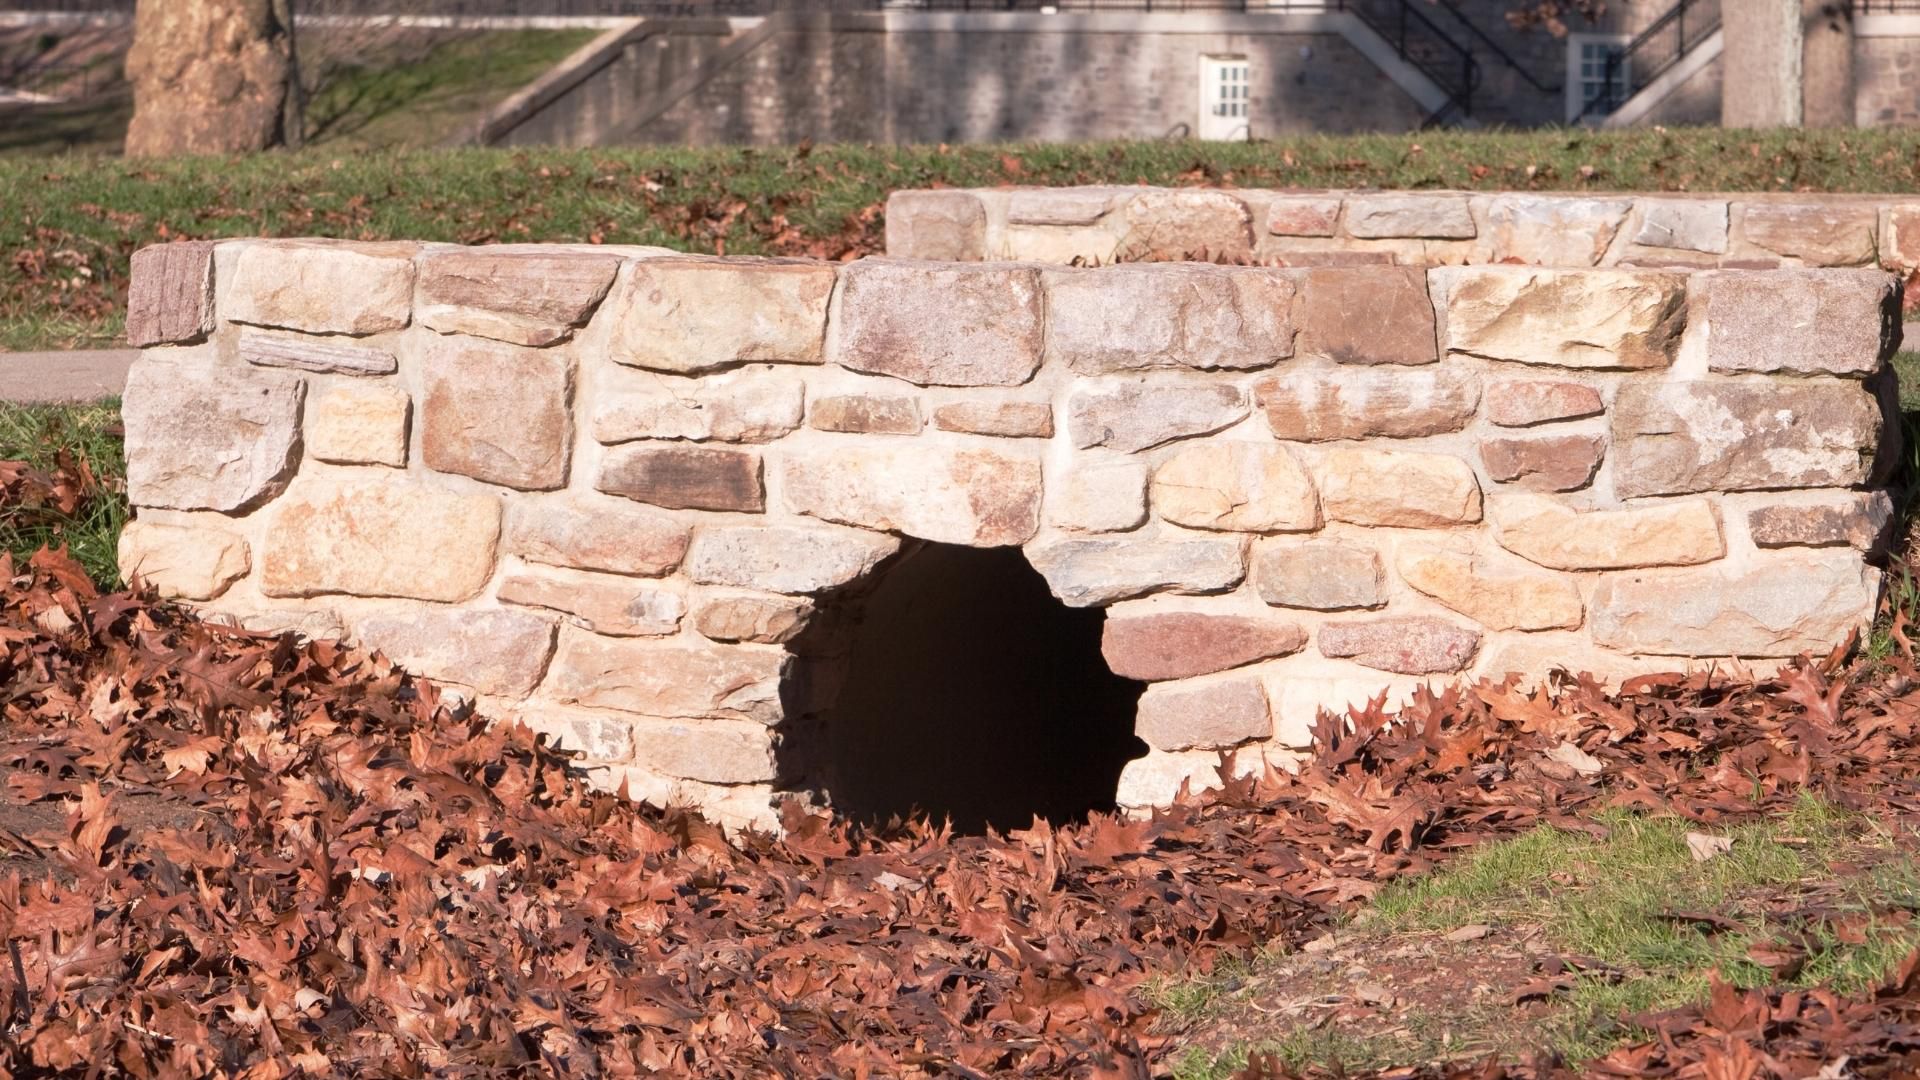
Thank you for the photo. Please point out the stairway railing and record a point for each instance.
(1664, 43)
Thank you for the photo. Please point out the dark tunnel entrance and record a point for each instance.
(970, 692)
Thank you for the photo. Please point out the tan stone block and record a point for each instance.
(980, 498)
(1367, 315)
(688, 315)
(1155, 780)
(1807, 322)
(1420, 645)
(1782, 606)
(1155, 647)
(786, 558)
(1179, 224)
(1303, 215)
(521, 294)
(1547, 532)
(940, 325)
(1900, 237)
(1007, 419)
(1237, 487)
(1130, 318)
(1322, 404)
(945, 226)
(1526, 402)
(595, 736)
(709, 750)
(866, 414)
(1859, 520)
(492, 651)
(1675, 438)
(1098, 495)
(1545, 463)
(1090, 573)
(1139, 415)
(1498, 594)
(1398, 488)
(1434, 217)
(200, 439)
(750, 617)
(1320, 575)
(751, 406)
(1819, 234)
(1683, 224)
(1204, 714)
(685, 478)
(1601, 319)
(672, 679)
(497, 413)
(170, 294)
(588, 532)
(359, 424)
(322, 355)
(379, 538)
(604, 603)
(1535, 657)
(1547, 230)
(319, 286)
(182, 561)
(1058, 206)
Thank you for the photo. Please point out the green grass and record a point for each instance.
(1609, 899)
(820, 201)
(37, 434)
(427, 103)
(375, 98)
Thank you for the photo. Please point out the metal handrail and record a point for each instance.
(1495, 48)
(1613, 92)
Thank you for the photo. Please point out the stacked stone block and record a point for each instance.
(1101, 225)
(620, 494)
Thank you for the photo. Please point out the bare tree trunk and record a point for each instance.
(209, 77)
(293, 127)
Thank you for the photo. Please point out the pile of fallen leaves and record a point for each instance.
(227, 853)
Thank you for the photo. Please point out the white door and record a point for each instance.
(1226, 97)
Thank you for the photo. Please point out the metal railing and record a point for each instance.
(1661, 45)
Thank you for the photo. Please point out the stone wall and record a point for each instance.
(1428, 228)
(611, 491)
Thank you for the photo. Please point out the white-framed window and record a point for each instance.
(1226, 97)
(1587, 74)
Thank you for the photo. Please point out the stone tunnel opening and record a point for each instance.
(964, 690)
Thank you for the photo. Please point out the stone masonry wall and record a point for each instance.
(606, 490)
(1428, 228)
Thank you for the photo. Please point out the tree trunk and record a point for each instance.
(209, 77)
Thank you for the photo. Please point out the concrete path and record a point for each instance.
(64, 376)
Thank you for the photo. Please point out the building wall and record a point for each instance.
(1886, 73)
(987, 83)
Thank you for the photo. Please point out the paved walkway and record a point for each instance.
(64, 376)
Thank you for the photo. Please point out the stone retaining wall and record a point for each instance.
(1100, 225)
(607, 489)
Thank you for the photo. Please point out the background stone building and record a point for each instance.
(961, 70)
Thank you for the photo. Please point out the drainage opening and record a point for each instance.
(966, 690)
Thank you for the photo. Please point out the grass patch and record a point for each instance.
(1649, 921)
(82, 439)
(375, 106)
(78, 211)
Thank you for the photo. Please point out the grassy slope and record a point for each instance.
(390, 101)
(1610, 900)
(68, 223)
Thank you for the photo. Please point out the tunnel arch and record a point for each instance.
(950, 681)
